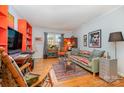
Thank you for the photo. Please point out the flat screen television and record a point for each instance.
(14, 41)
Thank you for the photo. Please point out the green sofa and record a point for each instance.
(87, 59)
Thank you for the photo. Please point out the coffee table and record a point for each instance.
(68, 65)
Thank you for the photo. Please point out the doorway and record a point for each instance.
(54, 42)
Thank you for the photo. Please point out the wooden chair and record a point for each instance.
(13, 77)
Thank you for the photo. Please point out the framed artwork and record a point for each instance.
(94, 39)
(38, 38)
(10, 20)
(85, 40)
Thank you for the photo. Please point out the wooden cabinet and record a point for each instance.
(4, 26)
(26, 29)
(108, 69)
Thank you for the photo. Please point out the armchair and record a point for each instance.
(12, 75)
(62, 51)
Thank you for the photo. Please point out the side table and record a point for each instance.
(108, 69)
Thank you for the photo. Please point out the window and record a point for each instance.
(54, 39)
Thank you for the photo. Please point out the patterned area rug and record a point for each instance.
(63, 75)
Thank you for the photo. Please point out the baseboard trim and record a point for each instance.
(121, 74)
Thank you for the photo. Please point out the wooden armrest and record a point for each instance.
(42, 76)
(1, 49)
(34, 73)
(24, 66)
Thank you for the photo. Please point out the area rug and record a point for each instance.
(61, 75)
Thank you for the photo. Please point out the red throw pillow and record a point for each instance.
(85, 52)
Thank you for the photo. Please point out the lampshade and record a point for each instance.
(116, 36)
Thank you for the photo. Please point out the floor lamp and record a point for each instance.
(116, 37)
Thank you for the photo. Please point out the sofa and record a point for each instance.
(88, 60)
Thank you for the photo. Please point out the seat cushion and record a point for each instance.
(31, 78)
(84, 60)
(61, 53)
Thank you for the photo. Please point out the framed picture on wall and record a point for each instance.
(38, 39)
(85, 40)
(94, 39)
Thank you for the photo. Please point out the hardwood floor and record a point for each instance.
(83, 81)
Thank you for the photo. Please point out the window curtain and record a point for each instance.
(62, 41)
(45, 51)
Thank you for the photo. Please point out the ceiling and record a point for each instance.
(67, 17)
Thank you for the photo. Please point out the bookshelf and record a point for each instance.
(26, 29)
(4, 26)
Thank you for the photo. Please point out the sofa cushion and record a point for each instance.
(84, 60)
(81, 54)
(85, 52)
(74, 57)
(75, 51)
(97, 53)
(31, 78)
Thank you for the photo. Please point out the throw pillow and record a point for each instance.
(97, 53)
(85, 53)
(81, 54)
(75, 51)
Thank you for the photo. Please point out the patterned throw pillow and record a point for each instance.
(84, 53)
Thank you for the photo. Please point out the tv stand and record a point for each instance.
(12, 52)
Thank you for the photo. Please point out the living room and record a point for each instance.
(94, 29)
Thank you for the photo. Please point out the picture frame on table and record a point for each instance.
(94, 39)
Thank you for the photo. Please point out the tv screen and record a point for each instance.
(14, 40)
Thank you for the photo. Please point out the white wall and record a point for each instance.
(111, 22)
(39, 32)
